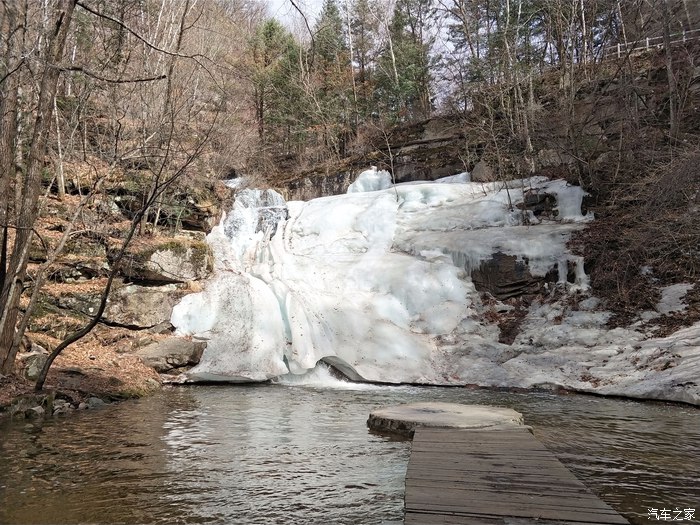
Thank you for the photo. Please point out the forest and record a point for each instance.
(114, 113)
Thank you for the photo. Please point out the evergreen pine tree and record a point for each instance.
(403, 76)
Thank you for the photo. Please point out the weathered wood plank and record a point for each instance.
(425, 518)
(494, 477)
(459, 496)
(558, 514)
(503, 488)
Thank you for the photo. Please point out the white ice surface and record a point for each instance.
(371, 180)
(377, 283)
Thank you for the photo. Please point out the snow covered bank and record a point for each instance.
(383, 285)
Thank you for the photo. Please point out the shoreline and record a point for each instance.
(56, 401)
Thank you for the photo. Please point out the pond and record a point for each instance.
(301, 454)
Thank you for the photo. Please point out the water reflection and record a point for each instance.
(300, 455)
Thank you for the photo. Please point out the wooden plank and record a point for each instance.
(448, 493)
(506, 487)
(490, 476)
(485, 466)
(444, 494)
(494, 477)
(425, 518)
(452, 437)
(541, 513)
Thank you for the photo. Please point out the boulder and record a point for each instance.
(34, 412)
(139, 307)
(176, 260)
(195, 206)
(95, 402)
(504, 276)
(172, 353)
(482, 172)
(32, 364)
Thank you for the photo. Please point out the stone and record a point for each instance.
(539, 203)
(82, 406)
(61, 403)
(504, 277)
(61, 407)
(178, 260)
(197, 206)
(152, 383)
(33, 364)
(95, 402)
(482, 172)
(404, 419)
(81, 303)
(140, 307)
(165, 327)
(69, 271)
(34, 412)
(172, 353)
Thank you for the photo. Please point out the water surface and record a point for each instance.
(302, 455)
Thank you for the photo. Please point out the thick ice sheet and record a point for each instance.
(378, 283)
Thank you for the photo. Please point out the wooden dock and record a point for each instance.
(487, 477)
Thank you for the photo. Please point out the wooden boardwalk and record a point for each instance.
(494, 477)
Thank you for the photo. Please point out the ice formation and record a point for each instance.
(378, 284)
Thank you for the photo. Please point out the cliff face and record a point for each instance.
(600, 129)
(424, 151)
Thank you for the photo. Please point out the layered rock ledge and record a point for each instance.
(405, 419)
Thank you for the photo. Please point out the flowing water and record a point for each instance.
(301, 454)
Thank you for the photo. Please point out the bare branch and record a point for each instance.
(306, 21)
(80, 69)
(10, 73)
(127, 28)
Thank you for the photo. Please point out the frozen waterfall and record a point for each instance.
(376, 282)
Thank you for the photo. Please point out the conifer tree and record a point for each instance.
(364, 31)
(403, 77)
(277, 87)
(271, 45)
(331, 90)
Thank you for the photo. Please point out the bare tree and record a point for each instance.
(30, 187)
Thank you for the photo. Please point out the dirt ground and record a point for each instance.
(86, 369)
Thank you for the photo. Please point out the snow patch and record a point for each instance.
(672, 298)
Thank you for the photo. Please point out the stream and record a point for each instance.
(302, 454)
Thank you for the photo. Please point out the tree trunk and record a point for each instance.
(31, 186)
(60, 177)
(8, 133)
(672, 87)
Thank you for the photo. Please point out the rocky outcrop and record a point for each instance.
(195, 207)
(78, 271)
(426, 150)
(172, 355)
(141, 307)
(176, 260)
(315, 185)
(506, 276)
